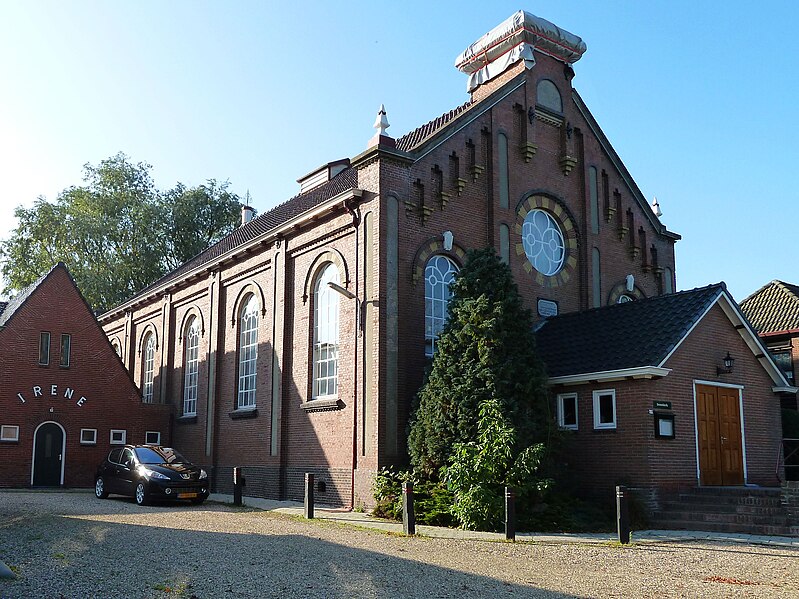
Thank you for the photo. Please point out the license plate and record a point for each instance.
(187, 495)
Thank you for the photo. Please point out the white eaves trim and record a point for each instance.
(640, 372)
(272, 233)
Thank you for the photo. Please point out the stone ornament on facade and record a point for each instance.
(548, 238)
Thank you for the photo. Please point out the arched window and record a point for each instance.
(248, 352)
(325, 334)
(191, 339)
(148, 367)
(548, 96)
(438, 275)
(543, 242)
(117, 347)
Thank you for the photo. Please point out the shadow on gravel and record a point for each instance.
(673, 546)
(78, 556)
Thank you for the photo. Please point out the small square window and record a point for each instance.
(9, 432)
(118, 437)
(66, 347)
(88, 436)
(152, 438)
(664, 425)
(605, 409)
(44, 348)
(567, 411)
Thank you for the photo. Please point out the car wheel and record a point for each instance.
(141, 494)
(99, 488)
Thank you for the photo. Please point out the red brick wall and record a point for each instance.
(95, 372)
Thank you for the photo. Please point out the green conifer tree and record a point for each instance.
(485, 352)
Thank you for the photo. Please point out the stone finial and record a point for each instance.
(656, 207)
(381, 122)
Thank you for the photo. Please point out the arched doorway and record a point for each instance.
(48, 455)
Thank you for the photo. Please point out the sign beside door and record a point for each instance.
(718, 426)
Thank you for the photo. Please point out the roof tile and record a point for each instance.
(773, 308)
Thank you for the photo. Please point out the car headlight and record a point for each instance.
(203, 474)
(153, 474)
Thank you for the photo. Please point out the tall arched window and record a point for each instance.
(325, 334)
(148, 367)
(438, 274)
(191, 340)
(248, 352)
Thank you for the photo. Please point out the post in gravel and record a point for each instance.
(510, 513)
(622, 515)
(238, 484)
(309, 495)
(408, 515)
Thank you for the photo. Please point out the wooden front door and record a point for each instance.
(719, 428)
(47, 455)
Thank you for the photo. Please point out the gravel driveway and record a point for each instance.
(73, 545)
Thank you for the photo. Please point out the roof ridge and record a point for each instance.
(422, 133)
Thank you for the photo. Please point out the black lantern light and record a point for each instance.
(728, 363)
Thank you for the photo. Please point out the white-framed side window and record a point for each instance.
(118, 436)
(567, 411)
(152, 438)
(88, 436)
(605, 408)
(9, 433)
(325, 334)
(439, 273)
(148, 368)
(248, 353)
(191, 367)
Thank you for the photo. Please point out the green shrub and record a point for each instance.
(432, 500)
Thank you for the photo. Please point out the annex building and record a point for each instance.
(297, 343)
(65, 396)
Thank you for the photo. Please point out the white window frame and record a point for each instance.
(148, 369)
(596, 399)
(147, 438)
(65, 358)
(248, 354)
(561, 412)
(93, 440)
(325, 334)
(191, 366)
(4, 429)
(123, 434)
(437, 295)
(46, 361)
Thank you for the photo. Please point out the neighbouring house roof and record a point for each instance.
(261, 225)
(637, 338)
(773, 308)
(11, 307)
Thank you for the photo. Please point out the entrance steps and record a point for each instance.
(757, 511)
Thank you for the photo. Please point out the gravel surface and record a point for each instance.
(73, 545)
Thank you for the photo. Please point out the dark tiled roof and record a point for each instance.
(630, 335)
(411, 140)
(773, 308)
(347, 179)
(16, 302)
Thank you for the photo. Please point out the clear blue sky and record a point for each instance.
(698, 98)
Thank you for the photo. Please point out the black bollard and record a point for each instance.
(238, 484)
(408, 515)
(309, 495)
(622, 515)
(510, 513)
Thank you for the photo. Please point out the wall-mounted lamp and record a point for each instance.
(349, 295)
(728, 363)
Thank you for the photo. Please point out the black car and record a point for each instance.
(150, 473)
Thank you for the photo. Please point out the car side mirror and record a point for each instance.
(128, 464)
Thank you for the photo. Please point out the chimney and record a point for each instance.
(246, 214)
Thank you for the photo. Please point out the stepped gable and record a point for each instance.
(264, 223)
(629, 335)
(773, 308)
(8, 309)
(418, 136)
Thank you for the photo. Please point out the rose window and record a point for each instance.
(543, 242)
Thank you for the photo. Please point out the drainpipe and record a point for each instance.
(355, 213)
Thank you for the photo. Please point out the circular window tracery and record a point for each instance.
(543, 242)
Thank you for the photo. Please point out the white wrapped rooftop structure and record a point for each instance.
(514, 40)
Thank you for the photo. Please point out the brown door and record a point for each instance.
(719, 428)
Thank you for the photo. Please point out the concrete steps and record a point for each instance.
(726, 509)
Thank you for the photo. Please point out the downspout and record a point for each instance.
(355, 213)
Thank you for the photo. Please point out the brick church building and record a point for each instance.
(297, 343)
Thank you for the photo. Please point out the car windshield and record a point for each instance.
(159, 455)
